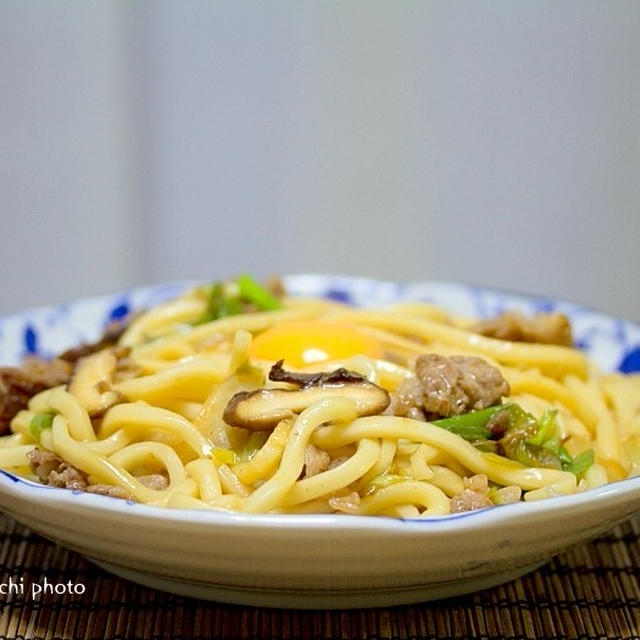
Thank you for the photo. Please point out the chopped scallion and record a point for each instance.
(381, 481)
(581, 463)
(254, 292)
(546, 428)
(235, 297)
(471, 426)
(39, 422)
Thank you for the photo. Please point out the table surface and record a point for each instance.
(590, 592)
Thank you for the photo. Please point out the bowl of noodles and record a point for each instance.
(319, 441)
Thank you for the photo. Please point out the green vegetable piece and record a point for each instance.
(533, 443)
(549, 438)
(254, 443)
(253, 292)
(229, 299)
(546, 428)
(471, 426)
(215, 300)
(533, 455)
(520, 442)
(581, 463)
(467, 431)
(381, 481)
(229, 307)
(565, 457)
(488, 446)
(39, 422)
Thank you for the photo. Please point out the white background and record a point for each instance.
(491, 142)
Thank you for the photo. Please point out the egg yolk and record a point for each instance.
(305, 341)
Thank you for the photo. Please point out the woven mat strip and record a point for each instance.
(589, 592)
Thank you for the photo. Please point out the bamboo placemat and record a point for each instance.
(590, 592)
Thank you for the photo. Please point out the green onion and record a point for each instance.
(565, 457)
(534, 455)
(471, 426)
(546, 428)
(254, 443)
(381, 481)
(229, 307)
(39, 422)
(467, 431)
(537, 443)
(215, 299)
(581, 463)
(486, 446)
(531, 442)
(253, 292)
(230, 299)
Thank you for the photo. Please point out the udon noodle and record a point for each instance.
(209, 405)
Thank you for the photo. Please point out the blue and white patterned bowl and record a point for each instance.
(317, 561)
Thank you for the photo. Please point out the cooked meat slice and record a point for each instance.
(16, 387)
(155, 481)
(416, 413)
(43, 463)
(110, 490)
(275, 285)
(468, 500)
(406, 398)
(54, 471)
(546, 328)
(336, 462)
(49, 372)
(458, 384)
(109, 338)
(69, 477)
(447, 386)
(349, 503)
(498, 424)
(478, 483)
(315, 461)
(473, 496)
(19, 384)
